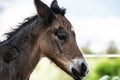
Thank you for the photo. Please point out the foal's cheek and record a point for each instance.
(47, 47)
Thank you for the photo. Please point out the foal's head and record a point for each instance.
(57, 41)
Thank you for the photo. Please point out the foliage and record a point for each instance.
(110, 67)
(112, 48)
(106, 77)
(86, 49)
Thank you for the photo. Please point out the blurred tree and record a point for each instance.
(112, 48)
(86, 49)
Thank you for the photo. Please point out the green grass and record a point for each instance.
(100, 67)
(92, 62)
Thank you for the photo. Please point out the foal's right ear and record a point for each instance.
(44, 12)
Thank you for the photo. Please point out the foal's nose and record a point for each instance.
(79, 69)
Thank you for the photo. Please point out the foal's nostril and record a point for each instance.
(83, 67)
(74, 71)
(76, 74)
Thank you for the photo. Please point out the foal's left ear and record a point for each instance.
(44, 12)
(56, 9)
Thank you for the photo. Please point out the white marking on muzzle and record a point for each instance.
(74, 64)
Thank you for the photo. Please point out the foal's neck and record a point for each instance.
(27, 50)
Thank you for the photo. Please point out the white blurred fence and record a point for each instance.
(101, 55)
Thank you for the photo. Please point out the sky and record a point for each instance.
(96, 22)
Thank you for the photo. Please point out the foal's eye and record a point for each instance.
(61, 35)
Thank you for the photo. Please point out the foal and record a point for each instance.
(48, 34)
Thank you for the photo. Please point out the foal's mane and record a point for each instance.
(29, 20)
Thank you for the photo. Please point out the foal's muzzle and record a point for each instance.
(78, 69)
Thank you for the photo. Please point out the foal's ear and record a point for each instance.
(56, 9)
(44, 12)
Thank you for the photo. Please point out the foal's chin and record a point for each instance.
(77, 77)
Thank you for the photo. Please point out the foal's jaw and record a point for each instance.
(78, 69)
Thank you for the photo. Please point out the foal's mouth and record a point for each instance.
(76, 76)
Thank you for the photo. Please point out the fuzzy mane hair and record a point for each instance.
(27, 21)
(20, 26)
